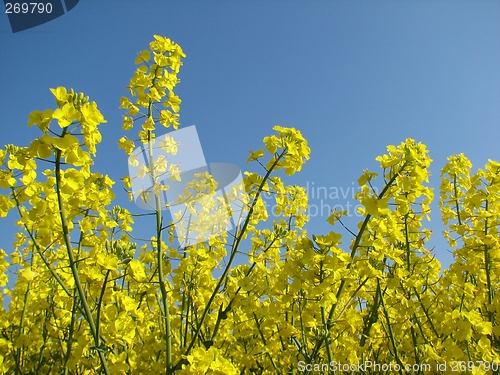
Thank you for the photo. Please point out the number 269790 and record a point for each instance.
(17, 8)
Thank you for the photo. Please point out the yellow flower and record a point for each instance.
(173, 102)
(149, 124)
(126, 144)
(66, 115)
(42, 119)
(254, 155)
(142, 57)
(61, 95)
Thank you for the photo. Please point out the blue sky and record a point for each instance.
(353, 76)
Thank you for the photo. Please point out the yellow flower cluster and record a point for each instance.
(153, 81)
(89, 298)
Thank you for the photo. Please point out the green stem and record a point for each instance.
(389, 327)
(19, 351)
(426, 312)
(323, 318)
(457, 207)
(73, 264)
(370, 319)
(353, 253)
(159, 257)
(234, 251)
(264, 341)
(70, 336)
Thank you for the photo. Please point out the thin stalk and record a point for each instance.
(264, 341)
(19, 351)
(231, 258)
(70, 336)
(73, 264)
(389, 327)
(371, 319)
(99, 305)
(323, 318)
(159, 257)
(457, 207)
(353, 253)
(426, 312)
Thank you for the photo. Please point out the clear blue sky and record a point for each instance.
(353, 76)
